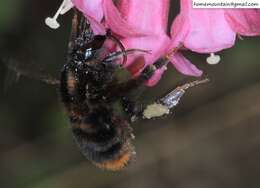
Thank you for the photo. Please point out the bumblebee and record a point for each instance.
(89, 89)
(99, 103)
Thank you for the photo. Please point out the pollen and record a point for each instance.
(64, 7)
(155, 110)
(213, 59)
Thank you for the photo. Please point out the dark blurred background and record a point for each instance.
(211, 140)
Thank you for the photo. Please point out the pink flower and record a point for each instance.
(93, 10)
(244, 22)
(138, 25)
(149, 18)
(142, 25)
(212, 30)
(99, 10)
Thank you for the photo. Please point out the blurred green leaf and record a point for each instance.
(9, 10)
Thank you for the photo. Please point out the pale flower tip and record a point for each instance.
(213, 59)
(52, 23)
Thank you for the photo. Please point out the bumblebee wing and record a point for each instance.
(16, 69)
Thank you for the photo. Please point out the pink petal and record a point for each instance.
(137, 65)
(244, 21)
(91, 8)
(116, 23)
(156, 45)
(179, 31)
(97, 27)
(149, 16)
(208, 30)
(184, 66)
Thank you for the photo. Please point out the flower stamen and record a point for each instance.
(65, 7)
(213, 59)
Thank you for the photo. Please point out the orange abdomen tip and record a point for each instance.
(116, 164)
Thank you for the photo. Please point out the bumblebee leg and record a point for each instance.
(117, 55)
(163, 61)
(136, 87)
(118, 42)
(132, 104)
(164, 105)
(123, 89)
(149, 71)
(161, 107)
(133, 108)
(123, 53)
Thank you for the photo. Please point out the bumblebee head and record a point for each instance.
(85, 51)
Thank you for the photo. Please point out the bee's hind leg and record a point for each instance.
(115, 56)
(165, 104)
(131, 102)
(161, 107)
(131, 90)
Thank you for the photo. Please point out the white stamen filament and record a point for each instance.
(65, 7)
(69, 5)
(213, 59)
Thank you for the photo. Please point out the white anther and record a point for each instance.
(52, 23)
(65, 7)
(213, 59)
(155, 110)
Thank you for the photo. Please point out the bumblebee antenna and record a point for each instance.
(118, 42)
